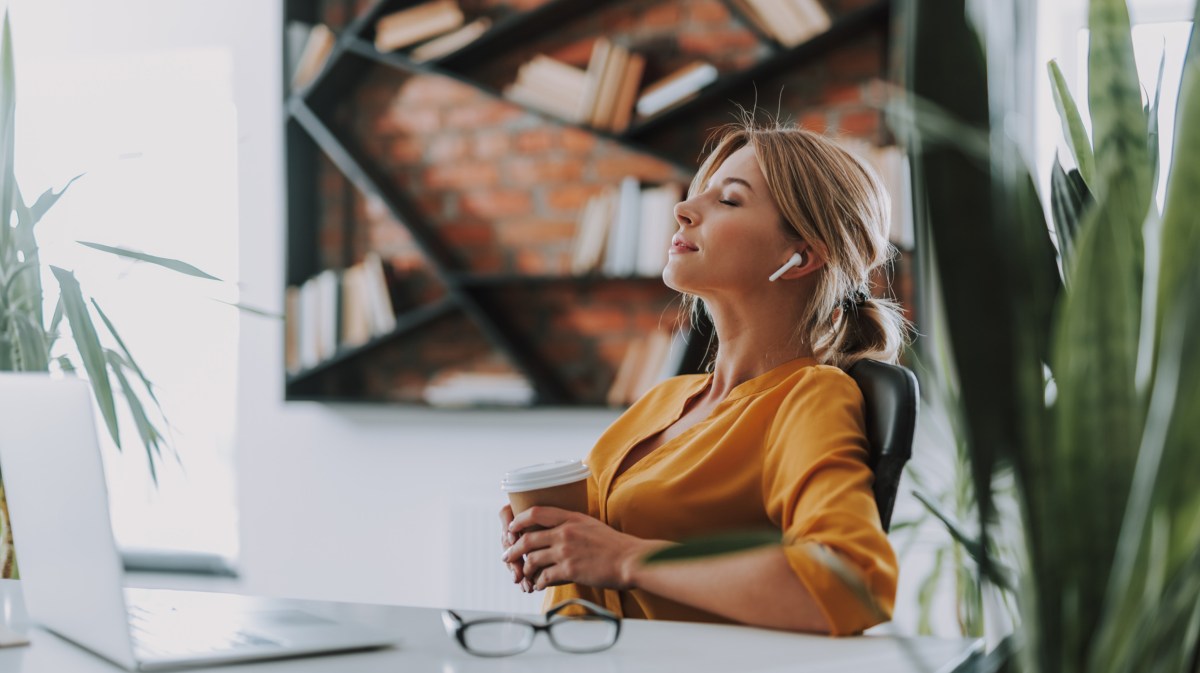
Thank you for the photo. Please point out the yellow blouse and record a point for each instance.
(786, 449)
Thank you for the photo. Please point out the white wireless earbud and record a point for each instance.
(796, 259)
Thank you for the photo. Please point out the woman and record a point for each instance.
(772, 436)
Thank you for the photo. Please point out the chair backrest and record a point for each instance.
(890, 392)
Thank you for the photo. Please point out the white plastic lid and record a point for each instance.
(544, 475)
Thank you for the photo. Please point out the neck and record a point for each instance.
(754, 338)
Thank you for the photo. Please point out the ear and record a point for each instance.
(813, 260)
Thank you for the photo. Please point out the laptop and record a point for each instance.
(71, 571)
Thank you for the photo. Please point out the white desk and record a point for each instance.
(666, 647)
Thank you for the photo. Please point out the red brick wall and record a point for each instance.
(503, 185)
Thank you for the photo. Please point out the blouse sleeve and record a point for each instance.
(817, 488)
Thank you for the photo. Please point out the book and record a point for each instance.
(415, 24)
(747, 9)
(328, 312)
(620, 256)
(356, 315)
(657, 226)
(549, 85)
(675, 87)
(468, 389)
(291, 329)
(313, 56)
(595, 71)
(592, 232)
(631, 80)
(536, 97)
(813, 16)
(379, 296)
(308, 324)
(560, 76)
(610, 84)
(452, 41)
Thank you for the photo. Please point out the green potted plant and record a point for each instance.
(29, 339)
(1082, 386)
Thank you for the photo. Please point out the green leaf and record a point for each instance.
(146, 431)
(715, 545)
(1099, 411)
(251, 309)
(32, 355)
(1152, 125)
(927, 591)
(1069, 199)
(88, 342)
(112, 329)
(66, 365)
(1180, 233)
(31, 216)
(8, 101)
(994, 573)
(1072, 122)
(1119, 126)
(172, 264)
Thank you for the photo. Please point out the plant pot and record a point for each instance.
(8, 554)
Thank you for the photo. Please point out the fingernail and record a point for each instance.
(504, 555)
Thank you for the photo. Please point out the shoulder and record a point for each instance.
(819, 382)
(818, 400)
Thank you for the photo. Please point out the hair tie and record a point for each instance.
(854, 300)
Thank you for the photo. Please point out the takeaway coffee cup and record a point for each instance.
(562, 483)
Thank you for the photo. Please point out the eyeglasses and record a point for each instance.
(594, 630)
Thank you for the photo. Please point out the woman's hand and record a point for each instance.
(562, 546)
(507, 540)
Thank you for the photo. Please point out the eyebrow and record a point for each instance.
(733, 179)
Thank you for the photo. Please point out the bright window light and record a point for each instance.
(155, 137)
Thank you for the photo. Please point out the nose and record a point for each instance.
(684, 214)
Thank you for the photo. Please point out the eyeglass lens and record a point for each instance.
(498, 638)
(583, 634)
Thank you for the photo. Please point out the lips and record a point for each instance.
(678, 244)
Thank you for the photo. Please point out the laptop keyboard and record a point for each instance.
(164, 632)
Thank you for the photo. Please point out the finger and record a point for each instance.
(537, 562)
(527, 586)
(506, 515)
(526, 543)
(517, 573)
(545, 517)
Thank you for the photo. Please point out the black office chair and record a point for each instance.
(891, 398)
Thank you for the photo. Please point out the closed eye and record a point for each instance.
(728, 202)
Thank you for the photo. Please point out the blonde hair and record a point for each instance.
(838, 205)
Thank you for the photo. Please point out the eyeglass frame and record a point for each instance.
(456, 626)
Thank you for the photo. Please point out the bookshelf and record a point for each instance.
(459, 293)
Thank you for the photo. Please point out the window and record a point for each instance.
(155, 135)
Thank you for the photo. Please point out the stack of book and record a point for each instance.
(676, 88)
(473, 389)
(602, 96)
(647, 362)
(336, 310)
(550, 85)
(626, 231)
(791, 22)
(318, 44)
(614, 75)
(440, 19)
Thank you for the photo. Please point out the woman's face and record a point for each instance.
(730, 236)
